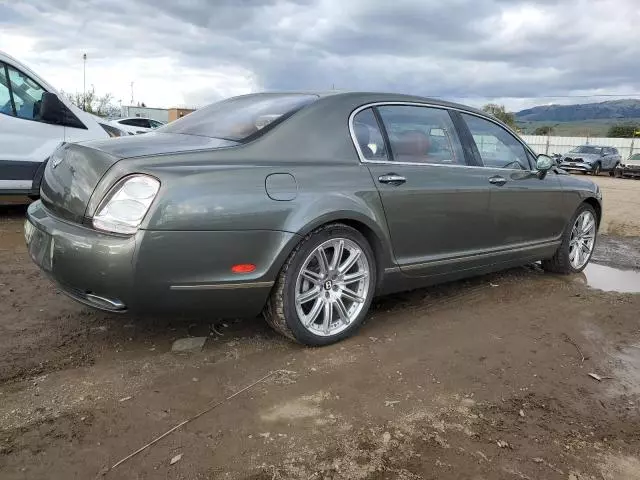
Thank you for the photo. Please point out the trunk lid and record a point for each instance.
(74, 170)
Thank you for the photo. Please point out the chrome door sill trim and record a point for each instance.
(222, 286)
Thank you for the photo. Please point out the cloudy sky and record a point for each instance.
(191, 52)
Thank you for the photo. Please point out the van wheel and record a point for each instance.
(325, 287)
(578, 243)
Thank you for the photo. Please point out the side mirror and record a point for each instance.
(544, 163)
(52, 110)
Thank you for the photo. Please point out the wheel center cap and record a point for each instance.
(328, 285)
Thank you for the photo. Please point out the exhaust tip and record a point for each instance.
(105, 303)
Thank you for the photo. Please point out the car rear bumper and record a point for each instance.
(157, 271)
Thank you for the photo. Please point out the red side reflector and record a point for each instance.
(243, 268)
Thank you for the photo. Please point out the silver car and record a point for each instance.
(591, 159)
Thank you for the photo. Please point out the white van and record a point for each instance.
(34, 120)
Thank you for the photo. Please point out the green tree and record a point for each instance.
(543, 130)
(501, 114)
(101, 106)
(623, 130)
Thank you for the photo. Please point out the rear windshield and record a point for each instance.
(240, 119)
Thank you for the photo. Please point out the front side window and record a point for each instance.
(155, 123)
(421, 134)
(5, 96)
(497, 147)
(368, 135)
(27, 94)
(240, 119)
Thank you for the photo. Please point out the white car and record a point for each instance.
(34, 120)
(137, 124)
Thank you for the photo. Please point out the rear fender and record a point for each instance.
(340, 209)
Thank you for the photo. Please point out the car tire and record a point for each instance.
(283, 311)
(561, 262)
(597, 168)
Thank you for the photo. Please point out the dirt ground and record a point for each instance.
(622, 200)
(481, 379)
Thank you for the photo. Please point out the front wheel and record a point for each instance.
(325, 288)
(596, 169)
(578, 242)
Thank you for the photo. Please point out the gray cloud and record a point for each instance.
(521, 49)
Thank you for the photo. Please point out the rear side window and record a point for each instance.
(368, 136)
(421, 135)
(240, 119)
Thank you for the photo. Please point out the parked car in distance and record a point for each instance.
(137, 125)
(34, 120)
(591, 159)
(303, 207)
(630, 167)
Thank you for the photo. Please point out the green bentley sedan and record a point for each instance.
(303, 207)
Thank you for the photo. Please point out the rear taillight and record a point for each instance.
(123, 208)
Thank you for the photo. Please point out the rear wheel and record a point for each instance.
(325, 288)
(612, 172)
(578, 243)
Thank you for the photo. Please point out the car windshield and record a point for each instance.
(240, 118)
(587, 149)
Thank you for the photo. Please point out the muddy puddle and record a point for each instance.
(611, 279)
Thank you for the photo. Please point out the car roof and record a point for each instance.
(364, 97)
(131, 118)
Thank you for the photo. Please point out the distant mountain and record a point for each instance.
(613, 109)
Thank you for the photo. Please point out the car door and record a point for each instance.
(25, 140)
(612, 158)
(617, 158)
(526, 208)
(437, 206)
(606, 158)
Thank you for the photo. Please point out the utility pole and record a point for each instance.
(131, 94)
(84, 82)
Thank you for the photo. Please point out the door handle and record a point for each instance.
(497, 180)
(392, 179)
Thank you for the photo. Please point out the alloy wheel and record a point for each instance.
(332, 286)
(583, 237)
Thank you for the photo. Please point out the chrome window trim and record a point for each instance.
(362, 158)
